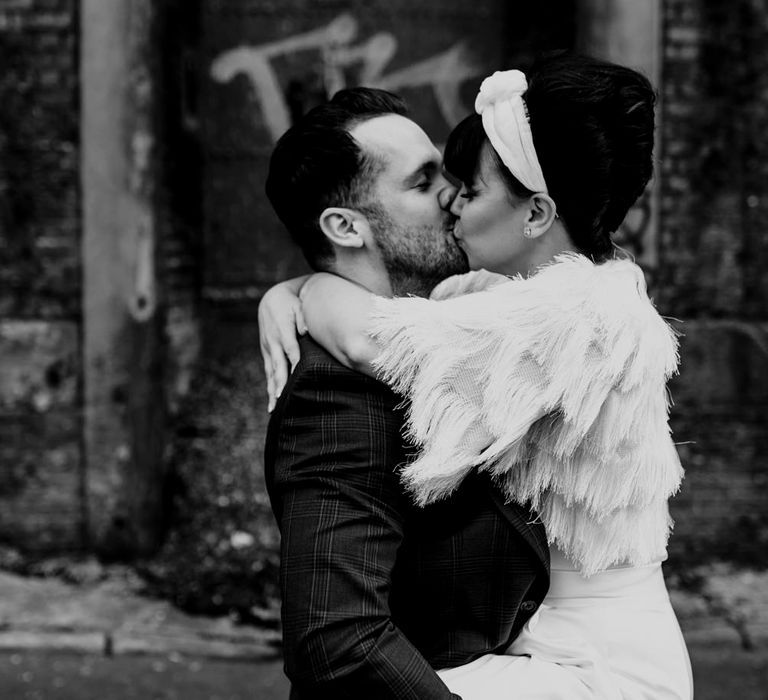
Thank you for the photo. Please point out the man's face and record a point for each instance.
(410, 216)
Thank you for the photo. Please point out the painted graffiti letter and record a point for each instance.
(444, 73)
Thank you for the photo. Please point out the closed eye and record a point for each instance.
(423, 177)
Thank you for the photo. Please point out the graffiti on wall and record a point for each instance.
(340, 50)
(443, 73)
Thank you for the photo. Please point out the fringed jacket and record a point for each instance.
(556, 385)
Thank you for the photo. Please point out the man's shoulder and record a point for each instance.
(314, 354)
(317, 364)
(320, 377)
(327, 410)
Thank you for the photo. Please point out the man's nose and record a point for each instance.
(457, 203)
(446, 195)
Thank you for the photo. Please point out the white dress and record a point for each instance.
(556, 385)
(612, 636)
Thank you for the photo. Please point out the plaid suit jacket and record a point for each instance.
(377, 593)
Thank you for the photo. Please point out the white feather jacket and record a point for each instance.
(556, 384)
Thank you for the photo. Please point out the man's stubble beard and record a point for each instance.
(416, 258)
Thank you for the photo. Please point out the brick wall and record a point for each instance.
(713, 250)
(713, 245)
(40, 457)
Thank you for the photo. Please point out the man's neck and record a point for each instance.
(366, 273)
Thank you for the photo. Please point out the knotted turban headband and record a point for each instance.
(505, 120)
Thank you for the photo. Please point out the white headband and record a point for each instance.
(505, 120)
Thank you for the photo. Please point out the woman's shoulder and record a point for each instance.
(570, 272)
(578, 269)
(613, 290)
(467, 283)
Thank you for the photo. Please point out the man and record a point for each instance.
(377, 593)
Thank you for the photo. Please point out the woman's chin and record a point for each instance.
(476, 264)
(472, 263)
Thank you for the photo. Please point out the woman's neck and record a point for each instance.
(546, 248)
(541, 251)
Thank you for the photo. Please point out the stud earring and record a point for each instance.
(527, 232)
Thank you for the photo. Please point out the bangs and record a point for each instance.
(462, 151)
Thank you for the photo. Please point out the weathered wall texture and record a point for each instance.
(713, 255)
(40, 455)
(711, 243)
(235, 71)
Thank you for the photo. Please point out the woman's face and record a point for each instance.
(491, 222)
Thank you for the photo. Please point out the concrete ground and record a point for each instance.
(720, 674)
(103, 640)
(52, 675)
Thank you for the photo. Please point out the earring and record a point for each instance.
(527, 232)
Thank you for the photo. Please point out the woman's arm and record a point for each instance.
(280, 323)
(334, 310)
(337, 314)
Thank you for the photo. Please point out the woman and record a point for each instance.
(554, 379)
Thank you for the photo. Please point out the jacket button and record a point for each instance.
(528, 606)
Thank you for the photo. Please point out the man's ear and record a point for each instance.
(541, 215)
(344, 227)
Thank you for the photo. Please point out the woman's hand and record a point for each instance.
(281, 322)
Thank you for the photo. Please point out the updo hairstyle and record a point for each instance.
(592, 124)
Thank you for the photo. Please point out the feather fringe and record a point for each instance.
(556, 385)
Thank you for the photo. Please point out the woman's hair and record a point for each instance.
(592, 124)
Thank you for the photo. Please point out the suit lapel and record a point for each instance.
(520, 519)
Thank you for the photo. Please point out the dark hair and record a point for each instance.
(317, 164)
(592, 124)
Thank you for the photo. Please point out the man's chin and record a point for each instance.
(421, 282)
(455, 262)
(462, 265)
(417, 260)
(456, 259)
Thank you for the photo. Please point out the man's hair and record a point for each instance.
(317, 164)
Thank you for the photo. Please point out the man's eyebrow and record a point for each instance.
(427, 168)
